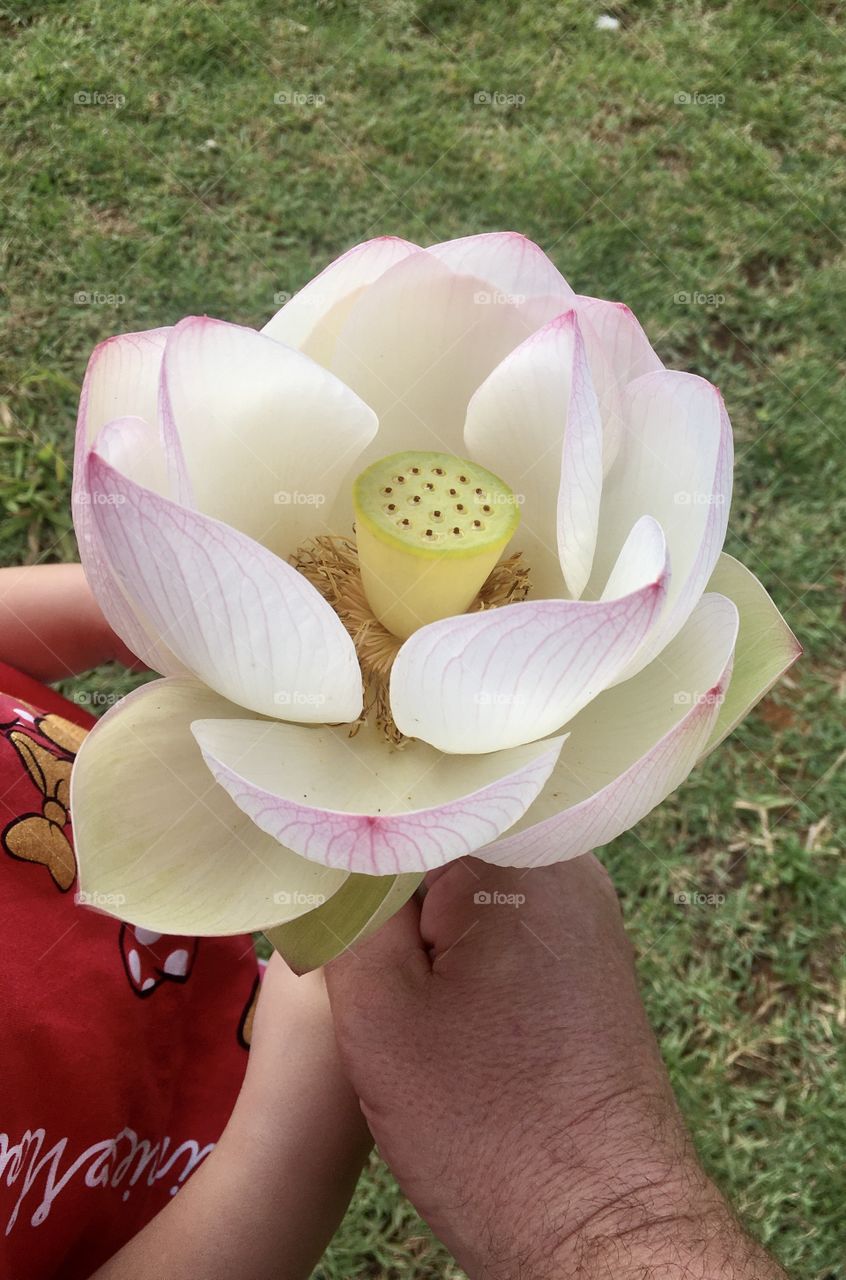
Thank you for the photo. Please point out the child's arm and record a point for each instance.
(51, 626)
(266, 1202)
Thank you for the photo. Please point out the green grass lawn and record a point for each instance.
(690, 163)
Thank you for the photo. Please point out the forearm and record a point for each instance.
(268, 1199)
(51, 626)
(639, 1208)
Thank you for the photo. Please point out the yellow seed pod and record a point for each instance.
(429, 528)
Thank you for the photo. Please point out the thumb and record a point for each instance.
(368, 972)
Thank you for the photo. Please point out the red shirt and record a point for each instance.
(121, 1051)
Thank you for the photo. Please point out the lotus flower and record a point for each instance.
(557, 670)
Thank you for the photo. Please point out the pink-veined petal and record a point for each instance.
(630, 748)
(160, 844)
(675, 464)
(618, 351)
(362, 805)
(120, 386)
(267, 435)
(535, 423)
(311, 319)
(485, 681)
(509, 263)
(243, 621)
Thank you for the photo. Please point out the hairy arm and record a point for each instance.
(512, 1081)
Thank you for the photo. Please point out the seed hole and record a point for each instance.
(477, 524)
(428, 485)
(459, 506)
(438, 471)
(486, 509)
(462, 479)
(457, 531)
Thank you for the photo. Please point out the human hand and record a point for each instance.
(512, 1082)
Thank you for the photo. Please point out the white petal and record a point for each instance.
(535, 423)
(510, 264)
(267, 435)
(242, 620)
(618, 351)
(353, 913)
(311, 319)
(675, 464)
(121, 384)
(484, 681)
(765, 648)
(363, 805)
(631, 747)
(160, 844)
(417, 344)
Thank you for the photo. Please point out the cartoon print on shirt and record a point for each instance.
(245, 1026)
(150, 959)
(44, 838)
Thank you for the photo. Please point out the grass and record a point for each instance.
(718, 219)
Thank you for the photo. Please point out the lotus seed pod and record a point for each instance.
(430, 528)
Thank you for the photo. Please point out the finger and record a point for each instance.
(394, 952)
(471, 898)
